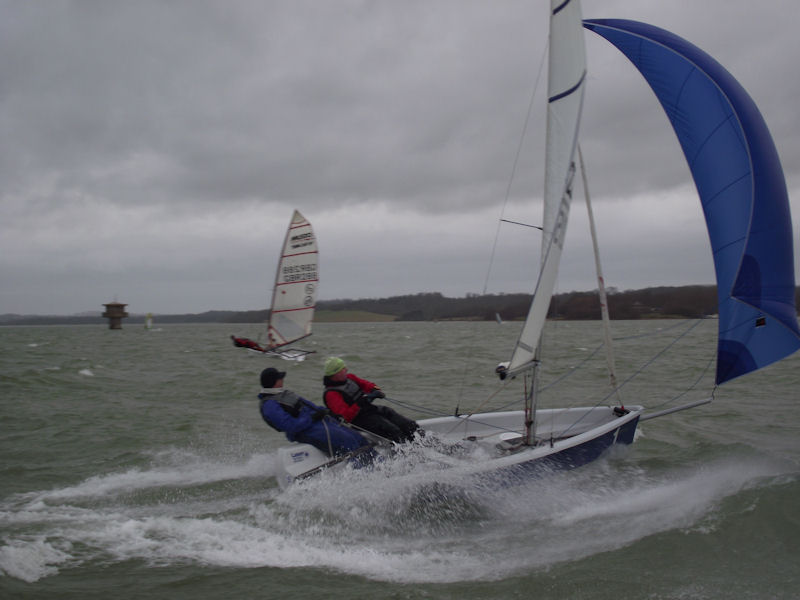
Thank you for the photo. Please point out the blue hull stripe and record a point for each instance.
(569, 458)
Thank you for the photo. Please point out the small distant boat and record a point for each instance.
(740, 182)
(148, 321)
(294, 295)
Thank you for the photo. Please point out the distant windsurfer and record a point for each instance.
(305, 422)
(351, 398)
(241, 342)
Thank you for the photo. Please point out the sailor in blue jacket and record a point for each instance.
(303, 421)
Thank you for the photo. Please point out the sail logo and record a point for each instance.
(301, 240)
(560, 226)
(299, 456)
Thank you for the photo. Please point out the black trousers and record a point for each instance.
(385, 422)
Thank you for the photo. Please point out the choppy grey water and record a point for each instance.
(135, 464)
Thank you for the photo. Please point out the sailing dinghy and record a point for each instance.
(740, 183)
(293, 296)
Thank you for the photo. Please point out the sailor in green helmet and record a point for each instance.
(351, 398)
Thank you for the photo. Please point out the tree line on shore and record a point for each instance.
(662, 302)
(694, 301)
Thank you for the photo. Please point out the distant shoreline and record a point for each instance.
(695, 301)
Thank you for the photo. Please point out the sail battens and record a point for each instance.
(570, 91)
(558, 8)
(297, 281)
(298, 254)
(525, 347)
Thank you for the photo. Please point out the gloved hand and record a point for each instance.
(376, 393)
(320, 414)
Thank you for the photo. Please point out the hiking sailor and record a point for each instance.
(351, 398)
(303, 421)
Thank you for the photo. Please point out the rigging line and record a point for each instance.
(572, 371)
(680, 323)
(691, 387)
(558, 380)
(658, 354)
(508, 192)
(469, 416)
(636, 373)
(416, 407)
(384, 440)
(514, 166)
(523, 224)
(674, 398)
(328, 435)
(597, 349)
(489, 398)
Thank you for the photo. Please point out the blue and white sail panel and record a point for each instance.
(738, 175)
(565, 89)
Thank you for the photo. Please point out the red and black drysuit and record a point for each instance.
(352, 398)
(247, 343)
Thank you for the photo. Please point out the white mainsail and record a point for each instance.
(295, 292)
(565, 90)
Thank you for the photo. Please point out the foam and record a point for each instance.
(402, 521)
(30, 560)
(191, 471)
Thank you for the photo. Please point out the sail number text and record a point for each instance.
(299, 272)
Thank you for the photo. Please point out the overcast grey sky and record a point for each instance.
(153, 152)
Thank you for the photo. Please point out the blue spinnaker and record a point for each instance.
(738, 175)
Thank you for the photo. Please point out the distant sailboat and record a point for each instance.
(294, 295)
(740, 182)
(148, 321)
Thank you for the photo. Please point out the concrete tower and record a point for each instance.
(115, 312)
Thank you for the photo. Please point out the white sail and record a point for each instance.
(295, 292)
(565, 90)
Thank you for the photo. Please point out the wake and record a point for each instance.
(410, 520)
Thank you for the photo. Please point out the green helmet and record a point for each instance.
(333, 365)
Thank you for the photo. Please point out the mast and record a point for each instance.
(601, 285)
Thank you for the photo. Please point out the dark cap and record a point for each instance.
(270, 376)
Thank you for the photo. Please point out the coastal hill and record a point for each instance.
(695, 301)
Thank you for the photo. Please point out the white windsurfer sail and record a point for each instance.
(294, 294)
